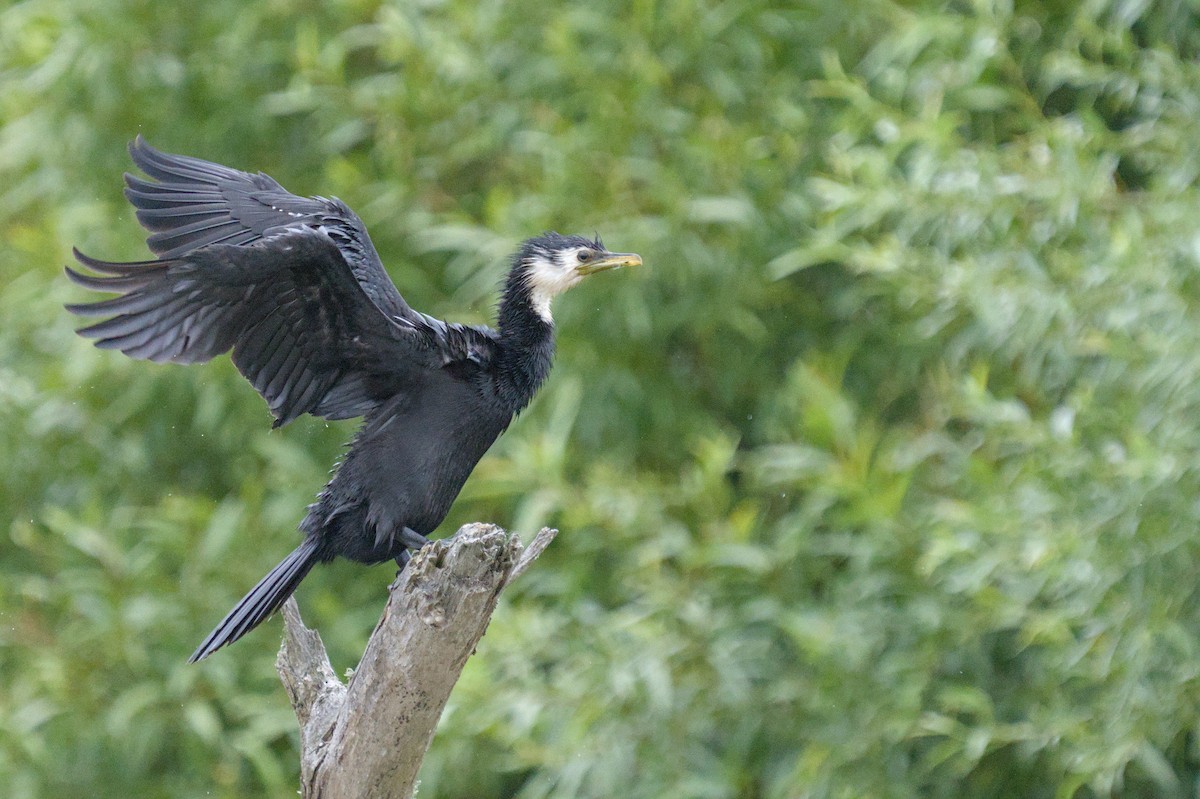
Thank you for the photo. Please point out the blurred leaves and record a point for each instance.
(878, 480)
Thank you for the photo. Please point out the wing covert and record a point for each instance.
(192, 203)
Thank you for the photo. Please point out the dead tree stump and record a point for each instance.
(367, 737)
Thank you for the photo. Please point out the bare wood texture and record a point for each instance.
(368, 738)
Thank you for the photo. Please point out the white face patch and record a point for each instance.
(550, 276)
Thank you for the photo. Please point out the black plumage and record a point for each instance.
(294, 287)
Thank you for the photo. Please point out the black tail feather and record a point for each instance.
(263, 600)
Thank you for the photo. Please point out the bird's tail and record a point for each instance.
(263, 600)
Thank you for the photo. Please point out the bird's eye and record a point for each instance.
(584, 255)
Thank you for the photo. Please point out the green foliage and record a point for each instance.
(879, 480)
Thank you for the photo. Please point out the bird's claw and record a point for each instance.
(402, 560)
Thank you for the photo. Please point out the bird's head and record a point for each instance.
(549, 264)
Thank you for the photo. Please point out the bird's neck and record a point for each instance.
(526, 345)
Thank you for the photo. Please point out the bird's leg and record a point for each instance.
(412, 539)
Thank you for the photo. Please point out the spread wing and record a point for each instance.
(292, 285)
(193, 203)
(302, 328)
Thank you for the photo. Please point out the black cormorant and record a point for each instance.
(295, 288)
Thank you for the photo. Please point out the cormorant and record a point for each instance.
(295, 288)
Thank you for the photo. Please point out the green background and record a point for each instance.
(880, 479)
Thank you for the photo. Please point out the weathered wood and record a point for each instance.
(368, 738)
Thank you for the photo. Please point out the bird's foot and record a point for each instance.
(411, 540)
(402, 560)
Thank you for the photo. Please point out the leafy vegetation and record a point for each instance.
(879, 480)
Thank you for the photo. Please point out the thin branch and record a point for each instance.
(531, 552)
